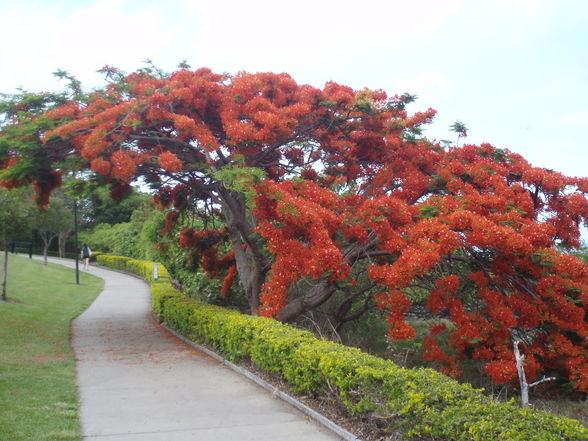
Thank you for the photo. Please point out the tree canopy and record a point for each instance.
(317, 189)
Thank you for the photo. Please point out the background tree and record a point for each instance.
(100, 208)
(54, 221)
(301, 191)
(134, 234)
(15, 211)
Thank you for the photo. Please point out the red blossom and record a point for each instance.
(170, 162)
(101, 166)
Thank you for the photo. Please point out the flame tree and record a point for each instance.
(321, 188)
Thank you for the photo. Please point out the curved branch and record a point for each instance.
(314, 297)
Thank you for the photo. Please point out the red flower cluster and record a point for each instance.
(170, 162)
(44, 184)
(100, 166)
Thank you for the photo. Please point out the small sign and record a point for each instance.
(155, 272)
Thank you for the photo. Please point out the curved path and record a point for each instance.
(137, 382)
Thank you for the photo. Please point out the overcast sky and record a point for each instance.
(514, 71)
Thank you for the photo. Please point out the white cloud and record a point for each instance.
(80, 40)
(259, 35)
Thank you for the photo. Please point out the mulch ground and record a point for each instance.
(369, 427)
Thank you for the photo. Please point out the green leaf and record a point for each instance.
(327, 103)
(428, 211)
(241, 180)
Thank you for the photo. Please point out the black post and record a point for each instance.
(76, 241)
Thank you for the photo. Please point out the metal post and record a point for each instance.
(77, 251)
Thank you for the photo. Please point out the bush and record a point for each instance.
(424, 403)
(141, 268)
(95, 255)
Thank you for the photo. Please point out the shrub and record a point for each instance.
(95, 255)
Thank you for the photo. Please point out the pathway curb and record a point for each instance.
(311, 413)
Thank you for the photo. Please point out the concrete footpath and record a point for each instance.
(137, 382)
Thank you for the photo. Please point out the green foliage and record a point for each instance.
(405, 98)
(459, 128)
(196, 284)
(74, 85)
(16, 207)
(94, 255)
(27, 109)
(241, 179)
(581, 253)
(56, 219)
(24, 102)
(151, 222)
(142, 268)
(428, 211)
(118, 239)
(273, 347)
(102, 209)
(98, 238)
(368, 332)
(424, 403)
(136, 238)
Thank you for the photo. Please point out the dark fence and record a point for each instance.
(17, 246)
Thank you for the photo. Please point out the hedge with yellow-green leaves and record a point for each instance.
(95, 255)
(424, 403)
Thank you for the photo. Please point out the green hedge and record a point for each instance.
(141, 268)
(95, 255)
(424, 403)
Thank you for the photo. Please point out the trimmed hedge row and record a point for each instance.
(424, 403)
(95, 255)
(141, 268)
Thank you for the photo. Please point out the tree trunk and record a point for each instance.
(47, 239)
(342, 315)
(250, 261)
(4, 280)
(313, 298)
(250, 276)
(519, 358)
(61, 240)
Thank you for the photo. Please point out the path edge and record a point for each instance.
(311, 413)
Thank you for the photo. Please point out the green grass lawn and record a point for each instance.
(38, 397)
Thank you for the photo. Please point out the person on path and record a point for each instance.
(86, 253)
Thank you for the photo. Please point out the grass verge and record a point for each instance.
(38, 397)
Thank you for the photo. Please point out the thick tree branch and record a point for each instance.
(313, 298)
